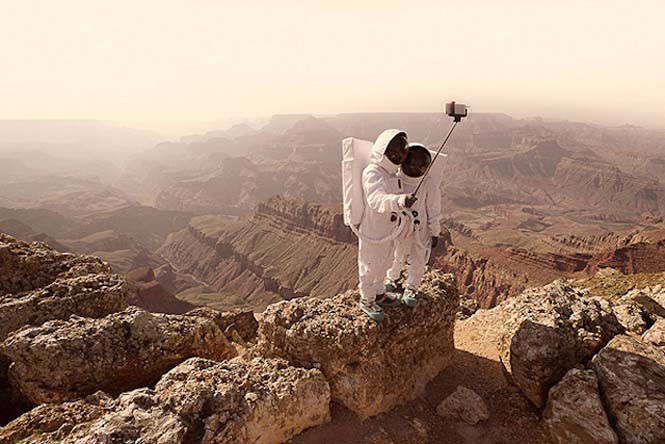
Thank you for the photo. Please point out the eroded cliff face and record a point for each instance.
(290, 249)
(325, 220)
(479, 278)
(287, 249)
(640, 257)
(492, 273)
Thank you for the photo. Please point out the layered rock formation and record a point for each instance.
(643, 257)
(65, 360)
(479, 278)
(371, 367)
(325, 220)
(284, 251)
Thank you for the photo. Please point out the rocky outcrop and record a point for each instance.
(262, 401)
(546, 331)
(636, 309)
(38, 284)
(464, 405)
(28, 266)
(631, 375)
(575, 412)
(371, 367)
(649, 300)
(66, 360)
(90, 295)
(54, 422)
(241, 321)
(236, 402)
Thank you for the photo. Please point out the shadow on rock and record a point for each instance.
(512, 417)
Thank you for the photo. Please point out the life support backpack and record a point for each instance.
(356, 154)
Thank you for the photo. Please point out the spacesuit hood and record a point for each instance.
(379, 148)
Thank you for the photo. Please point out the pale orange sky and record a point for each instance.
(152, 62)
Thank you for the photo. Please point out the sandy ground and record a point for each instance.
(475, 365)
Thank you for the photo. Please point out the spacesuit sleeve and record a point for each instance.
(433, 208)
(378, 199)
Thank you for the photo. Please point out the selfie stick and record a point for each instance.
(457, 111)
(435, 156)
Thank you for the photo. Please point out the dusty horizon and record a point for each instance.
(175, 129)
(178, 67)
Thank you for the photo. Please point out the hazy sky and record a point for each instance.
(150, 62)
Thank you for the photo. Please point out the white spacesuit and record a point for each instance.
(384, 202)
(414, 245)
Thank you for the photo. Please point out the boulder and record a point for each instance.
(38, 284)
(637, 310)
(546, 331)
(260, 401)
(134, 417)
(464, 405)
(656, 334)
(631, 317)
(91, 295)
(241, 320)
(54, 421)
(648, 299)
(631, 376)
(575, 413)
(28, 266)
(371, 367)
(65, 360)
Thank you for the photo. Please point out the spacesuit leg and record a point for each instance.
(373, 261)
(402, 247)
(418, 259)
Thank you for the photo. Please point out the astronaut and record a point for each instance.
(416, 243)
(385, 207)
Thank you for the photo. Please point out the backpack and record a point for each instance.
(356, 154)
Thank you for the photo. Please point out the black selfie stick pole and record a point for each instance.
(456, 121)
